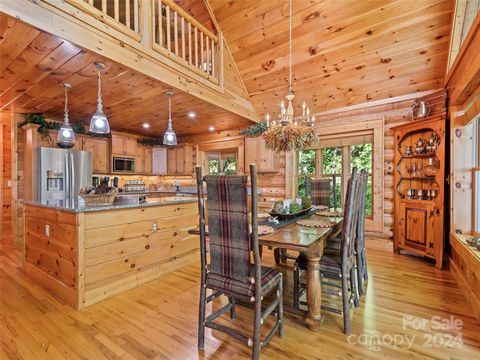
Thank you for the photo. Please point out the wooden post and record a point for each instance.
(160, 18)
(196, 46)
(175, 31)
(127, 13)
(202, 55)
(146, 10)
(104, 6)
(135, 16)
(116, 10)
(213, 58)
(189, 43)
(183, 38)
(167, 28)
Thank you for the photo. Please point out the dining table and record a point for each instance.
(310, 241)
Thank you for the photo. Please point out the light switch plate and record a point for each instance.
(47, 230)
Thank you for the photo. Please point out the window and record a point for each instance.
(332, 168)
(306, 168)
(337, 163)
(222, 163)
(476, 178)
(361, 156)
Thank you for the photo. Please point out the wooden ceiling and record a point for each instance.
(345, 52)
(34, 63)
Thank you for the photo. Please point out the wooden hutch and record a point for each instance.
(419, 184)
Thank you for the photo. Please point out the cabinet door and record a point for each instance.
(251, 152)
(159, 161)
(139, 159)
(416, 226)
(117, 144)
(130, 146)
(101, 157)
(268, 160)
(172, 161)
(147, 160)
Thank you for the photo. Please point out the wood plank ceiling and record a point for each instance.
(34, 63)
(345, 52)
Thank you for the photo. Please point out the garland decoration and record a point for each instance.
(150, 142)
(255, 130)
(46, 126)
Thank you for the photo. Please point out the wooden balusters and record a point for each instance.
(104, 6)
(135, 16)
(127, 13)
(193, 45)
(116, 10)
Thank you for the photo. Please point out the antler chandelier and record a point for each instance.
(290, 132)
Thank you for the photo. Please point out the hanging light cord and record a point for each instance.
(170, 108)
(99, 102)
(66, 105)
(290, 40)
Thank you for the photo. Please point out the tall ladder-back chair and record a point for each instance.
(230, 271)
(333, 245)
(341, 267)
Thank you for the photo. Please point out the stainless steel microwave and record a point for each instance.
(121, 164)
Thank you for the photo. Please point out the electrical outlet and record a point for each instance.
(47, 230)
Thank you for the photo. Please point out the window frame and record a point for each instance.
(476, 179)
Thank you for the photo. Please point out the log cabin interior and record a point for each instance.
(216, 179)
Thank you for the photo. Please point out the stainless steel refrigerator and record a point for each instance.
(62, 173)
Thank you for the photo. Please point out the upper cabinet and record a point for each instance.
(180, 160)
(256, 153)
(159, 161)
(124, 145)
(100, 153)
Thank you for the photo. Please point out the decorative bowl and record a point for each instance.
(289, 216)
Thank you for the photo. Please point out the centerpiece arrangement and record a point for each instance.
(290, 208)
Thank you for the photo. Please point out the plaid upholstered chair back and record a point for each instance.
(350, 216)
(228, 228)
(320, 191)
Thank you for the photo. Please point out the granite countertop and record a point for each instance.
(77, 207)
(180, 193)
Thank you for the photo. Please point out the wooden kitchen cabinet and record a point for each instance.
(256, 153)
(124, 145)
(143, 162)
(139, 159)
(100, 154)
(159, 161)
(180, 160)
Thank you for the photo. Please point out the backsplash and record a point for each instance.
(152, 182)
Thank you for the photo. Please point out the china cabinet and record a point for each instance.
(419, 179)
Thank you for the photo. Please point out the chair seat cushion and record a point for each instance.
(270, 278)
(329, 263)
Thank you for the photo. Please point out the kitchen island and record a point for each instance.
(85, 254)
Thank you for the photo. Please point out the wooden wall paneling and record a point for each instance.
(463, 78)
(325, 76)
(7, 181)
(465, 269)
(112, 44)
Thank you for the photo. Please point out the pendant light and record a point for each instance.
(66, 136)
(169, 138)
(99, 122)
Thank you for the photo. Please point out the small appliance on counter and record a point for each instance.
(134, 186)
(115, 182)
(130, 199)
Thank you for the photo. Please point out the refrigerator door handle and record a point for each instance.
(67, 178)
(72, 167)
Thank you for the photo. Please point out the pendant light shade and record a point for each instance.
(66, 136)
(99, 122)
(169, 138)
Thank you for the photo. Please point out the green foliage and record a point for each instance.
(294, 208)
(150, 142)
(332, 160)
(306, 202)
(255, 129)
(361, 156)
(46, 126)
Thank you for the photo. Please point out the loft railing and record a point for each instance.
(123, 15)
(160, 27)
(176, 34)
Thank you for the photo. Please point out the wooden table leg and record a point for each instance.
(313, 317)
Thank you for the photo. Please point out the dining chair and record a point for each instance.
(230, 271)
(333, 245)
(341, 267)
(318, 190)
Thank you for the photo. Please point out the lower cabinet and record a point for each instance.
(415, 227)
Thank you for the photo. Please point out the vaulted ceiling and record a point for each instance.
(345, 52)
(33, 64)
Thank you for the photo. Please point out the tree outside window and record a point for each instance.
(306, 168)
(361, 156)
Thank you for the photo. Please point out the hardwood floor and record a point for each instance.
(159, 319)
